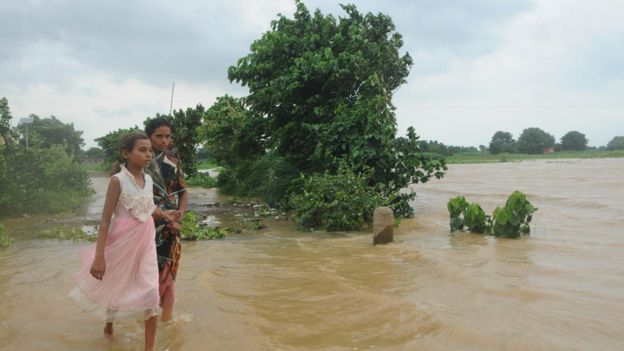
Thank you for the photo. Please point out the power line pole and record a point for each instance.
(171, 106)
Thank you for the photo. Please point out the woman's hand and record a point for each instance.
(98, 267)
(171, 215)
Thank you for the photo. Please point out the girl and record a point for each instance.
(120, 272)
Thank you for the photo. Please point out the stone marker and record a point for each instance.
(383, 225)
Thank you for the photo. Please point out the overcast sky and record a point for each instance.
(479, 65)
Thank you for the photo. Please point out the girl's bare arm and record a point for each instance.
(112, 197)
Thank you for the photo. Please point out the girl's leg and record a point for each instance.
(110, 317)
(150, 332)
(108, 328)
(167, 312)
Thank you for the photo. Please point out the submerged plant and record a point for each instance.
(513, 220)
(510, 221)
(191, 230)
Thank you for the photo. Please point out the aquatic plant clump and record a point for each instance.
(510, 221)
(191, 230)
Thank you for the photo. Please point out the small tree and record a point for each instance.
(502, 142)
(617, 143)
(573, 141)
(535, 141)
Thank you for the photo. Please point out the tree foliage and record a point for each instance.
(46, 177)
(573, 141)
(336, 202)
(502, 142)
(535, 141)
(509, 221)
(109, 143)
(230, 132)
(42, 180)
(6, 133)
(49, 132)
(617, 143)
(320, 92)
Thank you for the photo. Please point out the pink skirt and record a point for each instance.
(129, 287)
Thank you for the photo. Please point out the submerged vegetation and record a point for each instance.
(192, 230)
(510, 221)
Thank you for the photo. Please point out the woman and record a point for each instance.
(169, 194)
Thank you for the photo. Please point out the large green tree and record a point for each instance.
(502, 142)
(49, 132)
(573, 141)
(617, 143)
(320, 93)
(535, 141)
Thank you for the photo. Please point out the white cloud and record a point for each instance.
(480, 66)
(528, 81)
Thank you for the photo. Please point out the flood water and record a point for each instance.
(561, 288)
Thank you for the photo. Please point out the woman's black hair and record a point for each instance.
(126, 143)
(156, 123)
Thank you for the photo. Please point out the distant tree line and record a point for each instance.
(537, 141)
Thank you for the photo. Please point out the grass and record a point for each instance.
(488, 158)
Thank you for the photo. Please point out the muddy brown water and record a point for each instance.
(561, 288)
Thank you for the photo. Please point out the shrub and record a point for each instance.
(507, 222)
(336, 202)
(42, 180)
(513, 220)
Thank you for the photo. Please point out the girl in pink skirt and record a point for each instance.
(120, 272)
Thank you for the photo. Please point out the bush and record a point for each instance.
(336, 202)
(513, 220)
(508, 222)
(42, 180)
(5, 239)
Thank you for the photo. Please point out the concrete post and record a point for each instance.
(383, 225)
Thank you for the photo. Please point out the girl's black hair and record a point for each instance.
(156, 123)
(126, 143)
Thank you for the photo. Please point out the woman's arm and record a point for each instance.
(183, 200)
(112, 197)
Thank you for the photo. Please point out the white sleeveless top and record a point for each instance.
(134, 201)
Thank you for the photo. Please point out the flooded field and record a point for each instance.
(561, 288)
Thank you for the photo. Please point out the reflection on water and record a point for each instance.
(278, 289)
